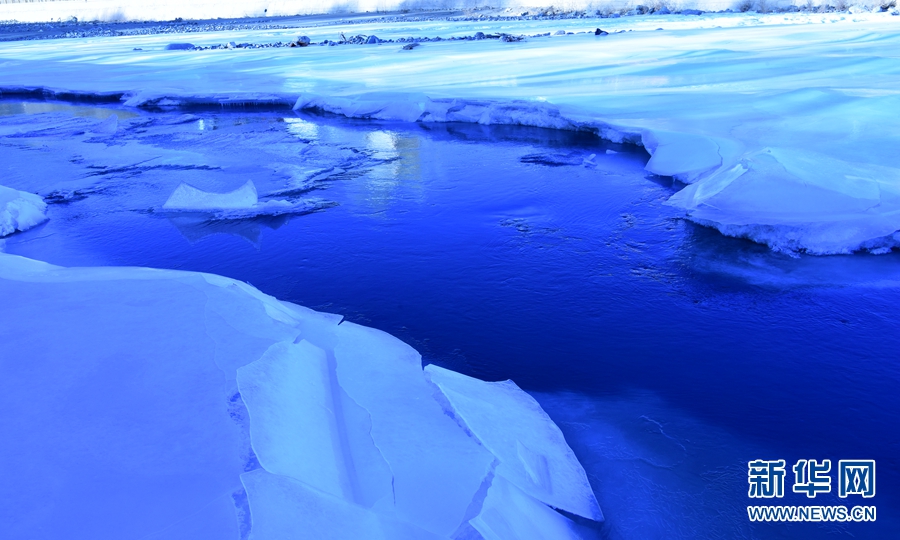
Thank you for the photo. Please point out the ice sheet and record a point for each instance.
(157, 403)
(304, 426)
(437, 468)
(533, 453)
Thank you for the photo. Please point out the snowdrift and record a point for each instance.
(162, 10)
(20, 211)
(165, 404)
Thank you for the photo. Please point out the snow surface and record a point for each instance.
(780, 121)
(166, 404)
(20, 211)
(155, 10)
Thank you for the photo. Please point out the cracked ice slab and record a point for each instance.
(304, 426)
(510, 513)
(783, 198)
(167, 404)
(532, 451)
(437, 468)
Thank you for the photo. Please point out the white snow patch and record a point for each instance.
(20, 211)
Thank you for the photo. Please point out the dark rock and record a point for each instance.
(410, 46)
(599, 32)
(303, 41)
(691, 12)
(179, 46)
(663, 11)
(479, 35)
(560, 33)
(371, 40)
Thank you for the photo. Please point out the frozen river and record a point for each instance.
(668, 354)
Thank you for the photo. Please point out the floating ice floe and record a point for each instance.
(20, 210)
(241, 203)
(158, 403)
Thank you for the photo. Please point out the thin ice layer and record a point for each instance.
(124, 418)
(20, 211)
(532, 451)
(437, 468)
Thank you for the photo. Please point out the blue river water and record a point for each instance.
(669, 355)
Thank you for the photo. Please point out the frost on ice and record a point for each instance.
(20, 210)
(166, 404)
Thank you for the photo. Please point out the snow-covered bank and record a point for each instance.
(20, 211)
(162, 10)
(158, 403)
(779, 120)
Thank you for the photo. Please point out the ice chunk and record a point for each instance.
(107, 127)
(242, 203)
(532, 451)
(509, 513)
(682, 155)
(20, 211)
(798, 200)
(187, 197)
(437, 468)
(305, 427)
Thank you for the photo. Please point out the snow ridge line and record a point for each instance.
(418, 107)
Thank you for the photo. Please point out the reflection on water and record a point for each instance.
(196, 228)
(670, 355)
(8, 108)
(302, 128)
